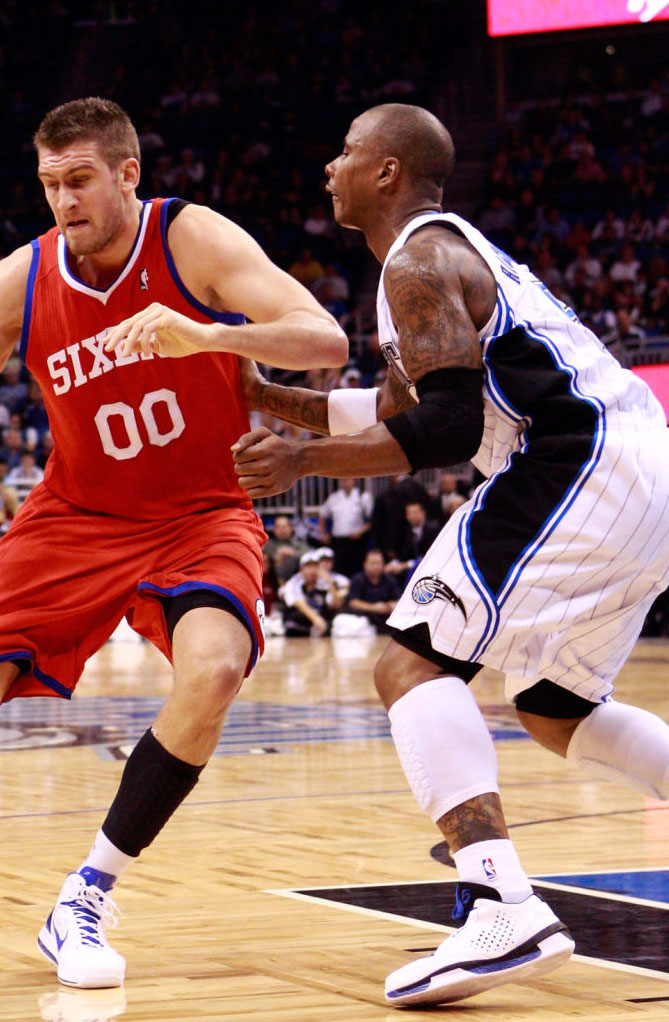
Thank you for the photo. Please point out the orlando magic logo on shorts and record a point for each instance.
(428, 589)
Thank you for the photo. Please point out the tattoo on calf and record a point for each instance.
(478, 819)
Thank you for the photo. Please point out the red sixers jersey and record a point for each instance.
(137, 436)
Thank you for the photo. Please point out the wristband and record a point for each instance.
(351, 410)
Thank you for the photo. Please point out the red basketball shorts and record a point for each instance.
(68, 576)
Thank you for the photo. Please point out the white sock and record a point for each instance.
(494, 863)
(106, 857)
(624, 744)
(443, 744)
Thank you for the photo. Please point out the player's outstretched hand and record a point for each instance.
(265, 463)
(157, 330)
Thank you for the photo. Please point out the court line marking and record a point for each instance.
(437, 927)
(604, 895)
(217, 802)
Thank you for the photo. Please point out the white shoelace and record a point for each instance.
(92, 909)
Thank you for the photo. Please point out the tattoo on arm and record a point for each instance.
(400, 395)
(479, 819)
(428, 305)
(297, 405)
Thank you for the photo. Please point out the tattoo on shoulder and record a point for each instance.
(429, 309)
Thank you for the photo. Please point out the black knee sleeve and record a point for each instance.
(547, 699)
(153, 785)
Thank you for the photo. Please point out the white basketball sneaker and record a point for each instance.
(73, 935)
(498, 943)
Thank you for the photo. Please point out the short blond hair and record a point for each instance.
(100, 120)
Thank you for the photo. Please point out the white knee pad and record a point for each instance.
(443, 744)
(624, 744)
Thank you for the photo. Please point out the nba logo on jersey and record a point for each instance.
(144, 280)
(260, 613)
(489, 869)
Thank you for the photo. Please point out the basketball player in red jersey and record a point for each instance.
(140, 512)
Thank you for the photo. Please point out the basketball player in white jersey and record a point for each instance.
(545, 574)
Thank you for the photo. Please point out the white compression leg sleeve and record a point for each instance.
(624, 744)
(443, 744)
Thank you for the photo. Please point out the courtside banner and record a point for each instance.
(515, 17)
(657, 378)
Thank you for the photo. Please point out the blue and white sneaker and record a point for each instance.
(73, 935)
(498, 943)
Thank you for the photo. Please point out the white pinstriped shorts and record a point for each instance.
(543, 576)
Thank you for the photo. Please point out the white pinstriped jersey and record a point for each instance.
(524, 302)
(550, 569)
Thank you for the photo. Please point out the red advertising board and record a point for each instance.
(514, 17)
(657, 378)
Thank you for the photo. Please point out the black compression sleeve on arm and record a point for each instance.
(447, 426)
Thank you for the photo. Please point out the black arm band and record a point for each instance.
(447, 426)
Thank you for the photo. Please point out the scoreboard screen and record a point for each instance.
(515, 17)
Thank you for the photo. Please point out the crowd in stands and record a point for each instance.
(578, 191)
(351, 586)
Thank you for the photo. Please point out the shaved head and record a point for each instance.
(417, 138)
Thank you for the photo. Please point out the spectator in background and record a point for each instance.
(552, 222)
(319, 223)
(419, 535)
(338, 585)
(388, 521)
(610, 228)
(9, 498)
(662, 226)
(34, 412)
(658, 307)
(373, 593)
(46, 447)
(498, 221)
(306, 268)
(625, 338)
(28, 433)
(13, 390)
(450, 497)
(589, 265)
(639, 228)
(626, 267)
(370, 362)
(307, 600)
(546, 268)
(350, 377)
(26, 475)
(332, 304)
(284, 549)
(12, 446)
(344, 521)
(270, 582)
(653, 101)
(337, 283)
(188, 174)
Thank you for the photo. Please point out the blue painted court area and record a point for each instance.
(651, 884)
(113, 722)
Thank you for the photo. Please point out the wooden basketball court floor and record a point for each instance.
(300, 871)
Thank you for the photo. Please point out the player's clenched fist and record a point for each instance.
(265, 463)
